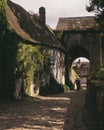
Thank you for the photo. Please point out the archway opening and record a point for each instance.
(80, 69)
(77, 53)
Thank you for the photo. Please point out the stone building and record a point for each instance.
(23, 30)
(31, 52)
(83, 69)
(81, 37)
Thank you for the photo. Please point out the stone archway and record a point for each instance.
(73, 53)
(86, 43)
(77, 51)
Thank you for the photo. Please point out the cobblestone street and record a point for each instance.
(58, 112)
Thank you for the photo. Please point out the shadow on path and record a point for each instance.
(65, 111)
(41, 113)
(80, 114)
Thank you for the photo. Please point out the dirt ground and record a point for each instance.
(65, 111)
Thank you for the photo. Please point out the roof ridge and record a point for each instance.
(76, 23)
(77, 17)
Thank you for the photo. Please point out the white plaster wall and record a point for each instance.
(58, 69)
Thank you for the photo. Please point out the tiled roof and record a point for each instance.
(76, 23)
(29, 27)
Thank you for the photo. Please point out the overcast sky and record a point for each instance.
(56, 8)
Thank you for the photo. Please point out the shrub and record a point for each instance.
(53, 88)
(99, 75)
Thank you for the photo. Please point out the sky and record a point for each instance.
(56, 8)
(81, 59)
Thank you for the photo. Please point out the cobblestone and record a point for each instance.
(65, 111)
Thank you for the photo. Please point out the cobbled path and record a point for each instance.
(65, 111)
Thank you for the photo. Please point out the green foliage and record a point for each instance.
(93, 76)
(19, 60)
(53, 88)
(99, 75)
(25, 60)
(98, 7)
(8, 57)
(66, 87)
(29, 64)
(3, 20)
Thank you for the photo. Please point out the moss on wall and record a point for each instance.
(24, 66)
(19, 60)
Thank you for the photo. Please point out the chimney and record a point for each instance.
(42, 16)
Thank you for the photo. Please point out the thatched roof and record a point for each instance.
(29, 27)
(76, 23)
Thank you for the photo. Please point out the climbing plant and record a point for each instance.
(29, 63)
(3, 21)
(23, 64)
(19, 60)
(98, 75)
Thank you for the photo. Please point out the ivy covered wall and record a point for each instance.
(20, 63)
(26, 67)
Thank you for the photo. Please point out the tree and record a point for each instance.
(98, 7)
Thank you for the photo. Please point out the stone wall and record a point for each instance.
(0, 71)
(95, 94)
(89, 42)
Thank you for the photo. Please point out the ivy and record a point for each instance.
(19, 61)
(99, 75)
(3, 20)
(17, 58)
(28, 60)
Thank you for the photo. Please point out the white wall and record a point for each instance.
(58, 69)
